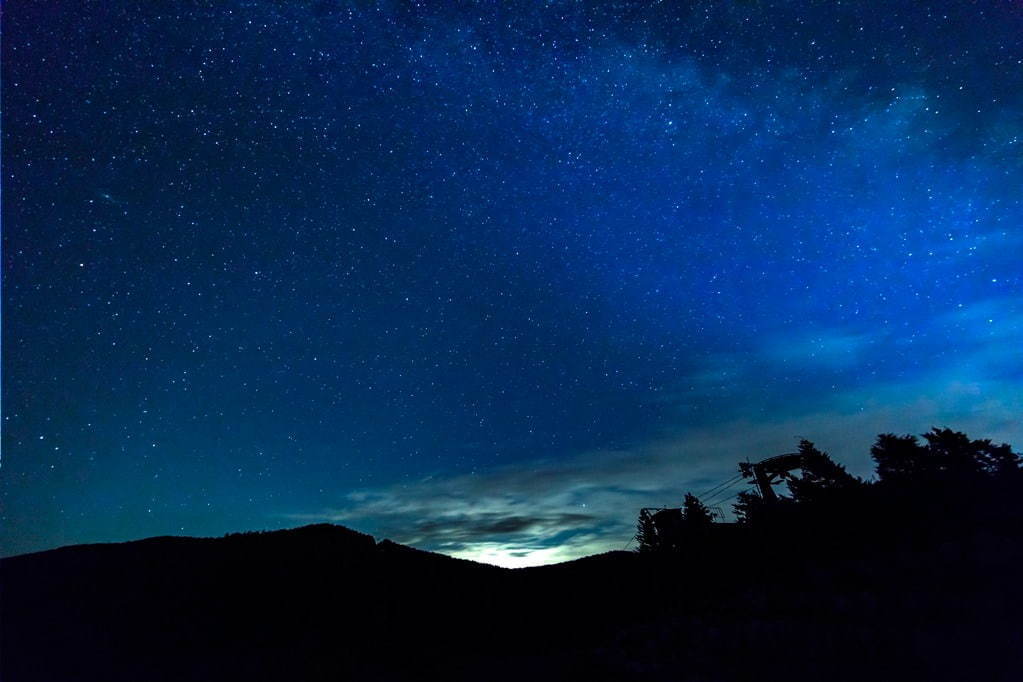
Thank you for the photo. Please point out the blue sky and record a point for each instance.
(488, 279)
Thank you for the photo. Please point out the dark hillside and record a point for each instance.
(326, 603)
(911, 577)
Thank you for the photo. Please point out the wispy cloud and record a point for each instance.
(546, 511)
(535, 512)
(558, 508)
(831, 348)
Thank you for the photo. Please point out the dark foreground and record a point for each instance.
(326, 603)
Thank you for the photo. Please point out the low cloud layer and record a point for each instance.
(550, 510)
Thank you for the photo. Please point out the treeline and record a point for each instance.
(930, 484)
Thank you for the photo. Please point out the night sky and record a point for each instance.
(486, 279)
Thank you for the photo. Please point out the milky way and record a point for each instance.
(487, 279)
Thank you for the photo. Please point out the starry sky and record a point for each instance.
(485, 278)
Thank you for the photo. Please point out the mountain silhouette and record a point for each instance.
(325, 602)
(909, 576)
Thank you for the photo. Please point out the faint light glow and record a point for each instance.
(512, 556)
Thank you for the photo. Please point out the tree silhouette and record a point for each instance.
(646, 533)
(694, 513)
(821, 477)
(904, 459)
(747, 507)
(667, 530)
(899, 458)
(953, 452)
(999, 460)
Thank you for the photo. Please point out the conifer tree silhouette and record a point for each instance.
(694, 513)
